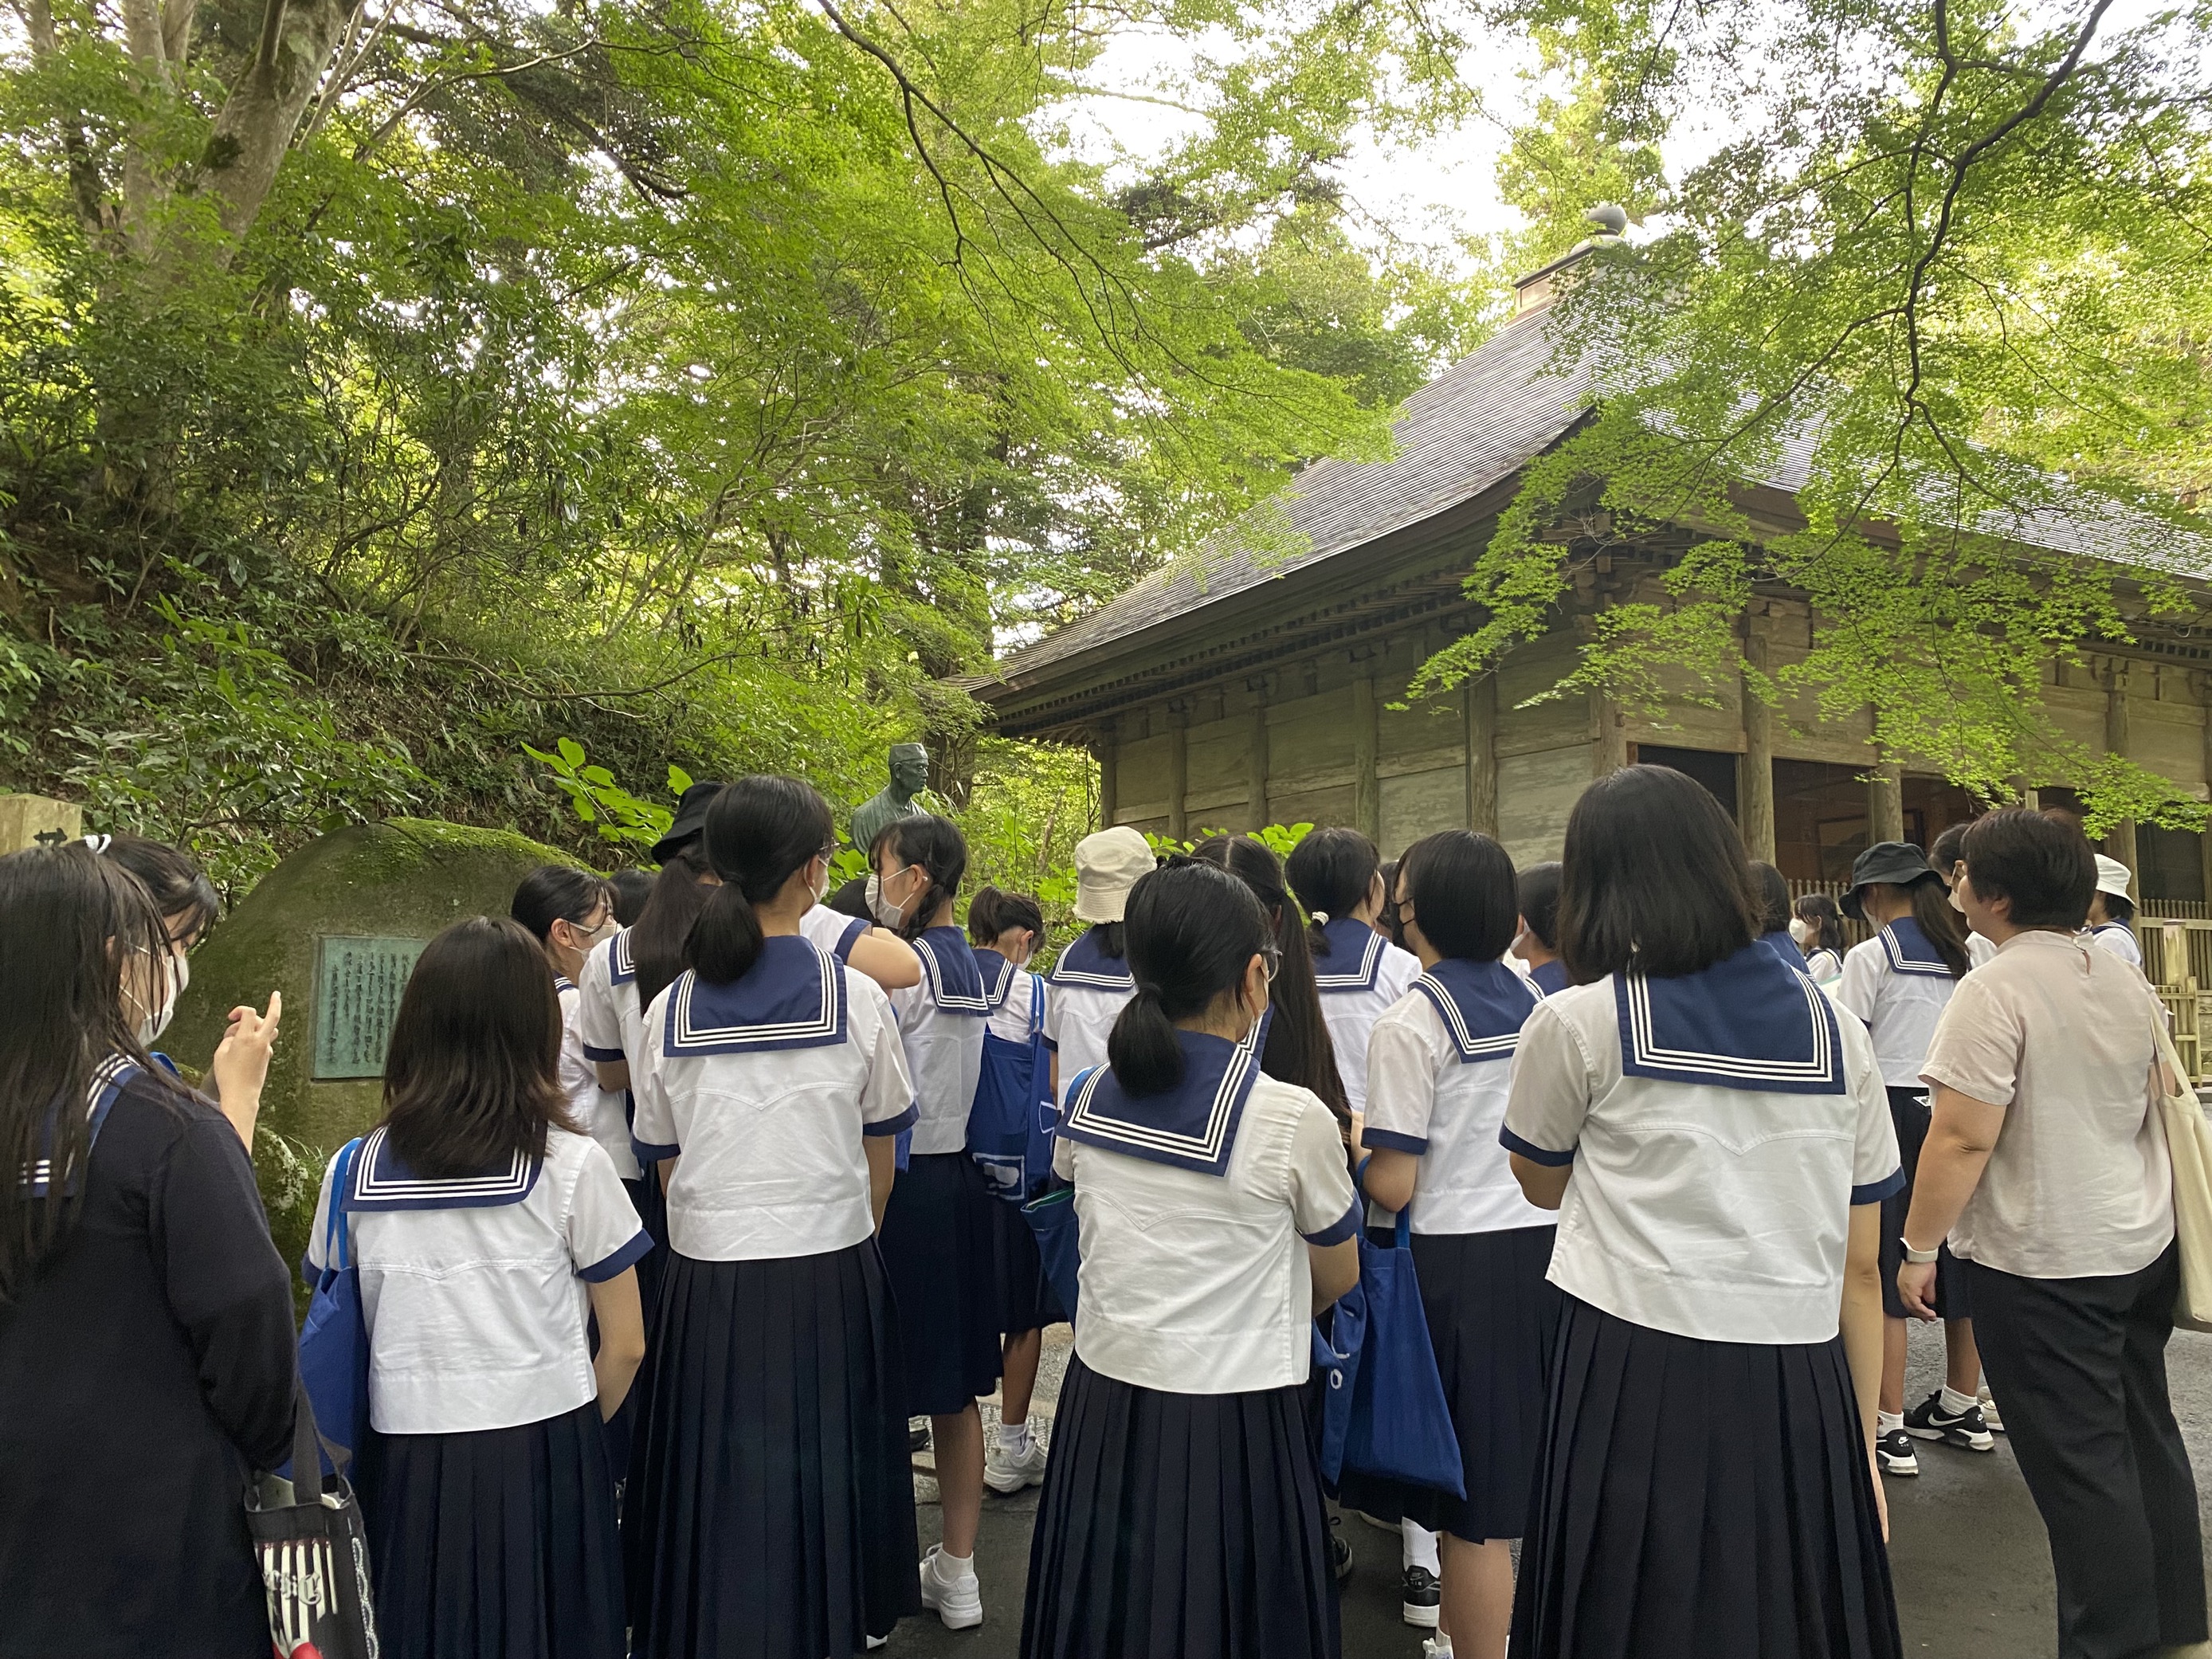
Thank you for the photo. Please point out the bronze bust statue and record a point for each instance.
(909, 776)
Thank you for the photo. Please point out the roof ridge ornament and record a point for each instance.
(1542, 286)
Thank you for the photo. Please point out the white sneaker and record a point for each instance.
(1433, 1649)
(957, 1601)
(1991, 1420)
(1003, 1473)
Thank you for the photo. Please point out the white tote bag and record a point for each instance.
(2189, 1142)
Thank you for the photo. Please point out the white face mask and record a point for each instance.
(178, 973)
(1802, 931)
(881, 908)
(822, 887)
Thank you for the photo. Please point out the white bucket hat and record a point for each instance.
(2112, 876)
(1106, 865)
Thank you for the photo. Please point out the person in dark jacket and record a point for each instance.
(147, 1361)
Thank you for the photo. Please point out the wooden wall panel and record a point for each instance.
(2168, 739)
(1417, 803)
(1423, 735)
(1535, 792)
(1315, 806)
(1309, 744)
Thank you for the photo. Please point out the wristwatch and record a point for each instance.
(1918, 1258)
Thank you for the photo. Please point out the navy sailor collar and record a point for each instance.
(1355, 956)
(621, 960)
(1482, 1004)
(997, 976)
(1748, 1021)
(106, 1082)
(1191, 1127)
(380, 1181)
(1908, 952)
(792, 997)
(1785, 949)
(949, 968)
(1085, 965)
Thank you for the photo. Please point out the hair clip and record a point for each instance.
(98, 844)
(1321, 917)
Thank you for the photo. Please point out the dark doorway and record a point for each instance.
(1716, 771)
(2173, 864)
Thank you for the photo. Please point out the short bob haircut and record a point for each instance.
(2044, 866)
(1539, 890)
(1654, 874)
(470, 1077)
(1464, 900)
(1771, 888)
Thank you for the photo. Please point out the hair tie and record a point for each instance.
(98, 844)
(1320, 917)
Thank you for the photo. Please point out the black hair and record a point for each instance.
(1819, 910)
(1299, 1048)
(1111, 942)
(179, 888)
(2119, 906)
(1332, 871)
(470, 1077)
(556, 892)
(1192, 930)
(1942, 924)
(1392, 925)
(1654, 874)
(1944, 853)
(661, 935)
(628, 891)
(993, 911)
(934, 845)
(72, 921)
(1538, 893)
(1771, 888)
(759, 830)
(2044, 866)
(1463, 892)
(852, 900)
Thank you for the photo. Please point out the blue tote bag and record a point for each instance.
(334, 1341)
(1051, 1216)
(1001, 1124)
(1387, 1417)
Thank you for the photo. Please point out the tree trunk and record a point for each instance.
(263, 112)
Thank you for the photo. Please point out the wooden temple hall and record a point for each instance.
(1230, 691)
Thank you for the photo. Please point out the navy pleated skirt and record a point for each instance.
(1701, 1498)
(1024, 1296)
(500, 1544)
(1909, 1116)
(1493, 1322)
(1175, 1525)
(937, 1248)
(769, 1511)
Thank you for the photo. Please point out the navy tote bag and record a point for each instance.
(1384, 1412)
(334, 1339)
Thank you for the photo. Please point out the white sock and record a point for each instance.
(1439, 1646)
(1954, 1402)
(1885, 1421)
(951, 1566)
(1014, 1439)
(1417, 1546)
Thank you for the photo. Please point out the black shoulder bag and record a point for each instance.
(313, 1552)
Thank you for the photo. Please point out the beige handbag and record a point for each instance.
(2189, 1142)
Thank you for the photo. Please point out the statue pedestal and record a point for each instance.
(37, 821)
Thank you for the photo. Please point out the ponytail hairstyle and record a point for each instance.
(628, 891)
(1299, 1050)
(759, 830)
(662, 932)
(937, 847)
(74, 923)
(1945, 928)
(993, 912)
(1191, 929)
(1818, 911)
(1390, 922)
(1332, 871)
(1771, 890)
(1464, 898)
(557, 892)
(179, 888)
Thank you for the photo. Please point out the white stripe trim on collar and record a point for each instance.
(1361, 978)
(954, 1002)
(1470, 1046)
(513, 1181)
(1820, 1068)
(1204, 1148)
(683, 1037)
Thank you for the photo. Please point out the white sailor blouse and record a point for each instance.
(1089, 991)
(1721, 1125)
(1897, 983)
(603, 1112)
(764, 1090)
(1360, 979)
(941, 1022)
(1195, 1207)
(1437, 1067)
(473, 1287)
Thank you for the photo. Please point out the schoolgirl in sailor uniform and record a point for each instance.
(2111, 910)
(1716, 1140)
(1898, 982)
(1537, 943)
(1090, 982)
(569, 912)
(938, 1227)
(1182, 1512)
(486, 1226)
(1438, 1068)
(1817, 926)
(770, 1507)
(1336, 874)
(1014, 1093)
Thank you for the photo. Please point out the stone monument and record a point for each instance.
(909, 764)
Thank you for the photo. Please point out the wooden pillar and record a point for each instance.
(1366, 753)
(1178, 771)
(1480, 697)
(2120, 840)
(1754, 784)
(1106, 750)
(1608, 736)
(1886, 803)
(1256, 758)
(2200, 685)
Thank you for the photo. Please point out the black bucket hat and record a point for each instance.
(690, 819)
(1898, 863)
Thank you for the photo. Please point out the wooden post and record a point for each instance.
(1107, 752)
(1256, 758)
(1754, 787)
(1366, 745)
(1480, 697)
(1178, 771)
(1886, 803)
(1608, 736)
(2200, 684)
(2120, 840)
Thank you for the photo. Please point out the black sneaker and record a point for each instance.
(1928, 1421)
(1423, 1599)
(1893, 1451)
(917, 1435)
(1339, 1551)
